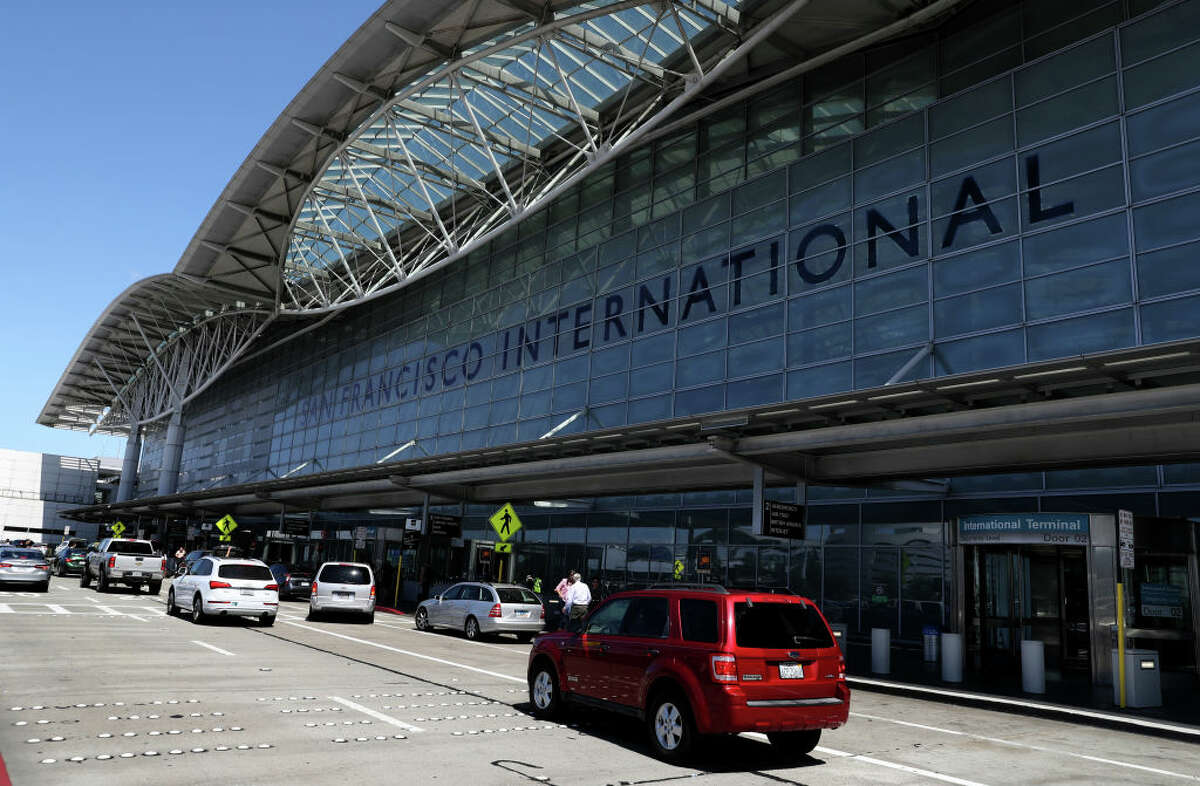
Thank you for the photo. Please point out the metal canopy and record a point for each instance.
(1126, 407)
(435, 128)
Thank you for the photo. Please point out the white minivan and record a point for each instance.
(343, 587)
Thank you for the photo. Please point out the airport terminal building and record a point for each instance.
(929, 272)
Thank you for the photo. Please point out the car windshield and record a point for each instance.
(345, 574)
(253, 572)
(20, 554)
(516, 595)
(780, 626)
(129, 547)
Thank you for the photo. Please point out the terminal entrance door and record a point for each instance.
(1020, 592)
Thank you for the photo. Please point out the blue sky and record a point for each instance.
(121, 123)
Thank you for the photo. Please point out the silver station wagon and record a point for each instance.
(480, 608)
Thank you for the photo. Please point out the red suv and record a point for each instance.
(695, 660)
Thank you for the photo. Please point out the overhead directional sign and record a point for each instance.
(505, 522)
(226, 525)
(118, 529)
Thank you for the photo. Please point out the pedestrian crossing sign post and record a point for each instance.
(505, 522)
(226, 525)
(504, 548)
(118, 529)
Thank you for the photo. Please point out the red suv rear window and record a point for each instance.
(779, 626)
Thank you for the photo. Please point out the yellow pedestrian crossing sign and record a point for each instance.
(227, 525)
(118, 529)
(504, 548)
(678, 569)
(505, 522)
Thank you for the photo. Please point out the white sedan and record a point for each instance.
(216, 587)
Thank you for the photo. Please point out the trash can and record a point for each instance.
(929, 637)
(952, 657)
(1143, 679)
(881, 650)
(1033, 666)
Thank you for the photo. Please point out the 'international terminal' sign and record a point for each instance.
(1055, 529)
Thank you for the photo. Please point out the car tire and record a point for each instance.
(154, 587)
(267, 620)
(45, 587)
(543, 690)
(102, 582)
(670, 726)
(198, 615)
(421, 621)
(795, 743)
(312, 615)
(471, 630)
(172, 609)
(368, 618)
(85, 578)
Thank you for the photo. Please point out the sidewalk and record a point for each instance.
(1073, 699)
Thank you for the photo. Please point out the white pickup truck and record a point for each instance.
(133, 563)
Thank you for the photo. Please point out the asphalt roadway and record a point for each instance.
(105, 689)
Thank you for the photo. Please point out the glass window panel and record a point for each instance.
(992, 181)
(1168, 271)
(819, 308)
(901, 79)
(1163, 125)
(819, 380)
(1076, 245)
(570, 396)
(892, 175)
(657, 233)
(756, 357)
(819, 254)
(981, 71)
(1159, 32)
(966, 46)
(658, 260)
(964, 110)
(828, 198)
(759, 192)
(981, 310)
(701, 294)
(1165, 172)
(992, 265)
(609, 360)
(889, 140)
(651, 379)
(1106, 284)
(1161, 77)
(1167, 222)
(760, 323)
(895, 328)
(706, 213)
(702, 244)
(645, 410)
(1171, 320)
(901, 105)
(819, 167)
(1077, 108)
(690, 402)
(607, 388)
(696, 339)
(653, 349)
(892, 290)
(752, 392)
(952, 234)
(757, 223)
(720, 162)
(815, 346)
(875, 371)
(698, 369)
(955, 152)
(1085, 151)
(724, 127)
(1096, 333)
(994, 350)
(1055, 74)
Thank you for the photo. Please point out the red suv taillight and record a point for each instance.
(724, 668)
(112, 561)
(219, 585)
(272, 587)
(372, 590)
(314, 588)
(841, 669)
(495, 612)
(543, 612)
(164, 565)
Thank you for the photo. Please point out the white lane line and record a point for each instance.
(93, 600)
(152, 610)
(57, 609)
(214, 649)
(523, 654)
(1027, 746)
(1076, 711)
(410, 653)
(891, 765)
(111, 611)
(135, 617)
(376, 715)
(5, 608)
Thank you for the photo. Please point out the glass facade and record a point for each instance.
(1019, 185)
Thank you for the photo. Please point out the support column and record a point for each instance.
(168, 475)
(129, 465)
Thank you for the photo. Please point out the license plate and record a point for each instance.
(521, 613)
(343, 594)
(135, 574)
(248, 593)
(791, 671)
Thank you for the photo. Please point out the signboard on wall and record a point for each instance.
(445, 525)
(1125, 538)
(1053, 529)
(783, 519)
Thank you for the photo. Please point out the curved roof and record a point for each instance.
(434, 128)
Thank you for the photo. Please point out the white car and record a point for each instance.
(216, 587)
(343, 587)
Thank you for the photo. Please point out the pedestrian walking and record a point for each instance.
(579, 597)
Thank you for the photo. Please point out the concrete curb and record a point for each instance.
(1081, 715)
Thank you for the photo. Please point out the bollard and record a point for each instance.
(1033, 666)
(952, 657)
(929, 636)
(881, 650)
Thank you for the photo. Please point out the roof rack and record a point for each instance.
(686, 586)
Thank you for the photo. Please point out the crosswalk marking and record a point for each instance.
(57, 609)
(5, 609)
(75, 609)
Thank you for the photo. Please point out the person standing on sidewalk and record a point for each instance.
(579, 597)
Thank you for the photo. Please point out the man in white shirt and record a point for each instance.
(577, 601)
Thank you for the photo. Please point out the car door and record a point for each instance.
(585, 654)
(194, 581)
(642, 638)
(438, 610)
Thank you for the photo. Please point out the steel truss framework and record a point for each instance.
(490, 111)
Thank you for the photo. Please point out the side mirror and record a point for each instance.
(439, 598)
